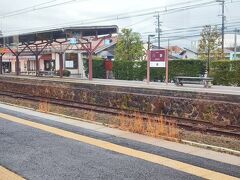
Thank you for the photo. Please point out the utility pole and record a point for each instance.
(149, 40)
(168, 46)
(158, 19)
(223, 25)
(235, 43)
(208, 52)
(158, 29)
(223, 22)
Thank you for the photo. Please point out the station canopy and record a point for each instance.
(36, 42)
(60, 33)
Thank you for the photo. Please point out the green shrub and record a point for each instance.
(225, 72)
(65, 73)
(98, 67)
(130, 70)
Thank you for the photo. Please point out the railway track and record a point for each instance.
(188, 124)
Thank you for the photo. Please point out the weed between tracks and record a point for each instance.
(90, 115)
(44, 106)
(156, 127)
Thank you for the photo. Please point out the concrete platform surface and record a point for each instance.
(41, 146)
(93, 126)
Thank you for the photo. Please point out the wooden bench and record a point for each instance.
(206, 81)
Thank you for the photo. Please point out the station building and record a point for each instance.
(49, 60)
(56, 50)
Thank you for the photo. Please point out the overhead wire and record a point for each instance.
(165, 11)
(37, 7)
(121, 16)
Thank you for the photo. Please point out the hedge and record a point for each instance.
(223, 72)
(137, 70)
(66, 73)
(180, 68)
(98, 67)
(129, 70)
(226, 73)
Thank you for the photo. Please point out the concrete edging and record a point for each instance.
(211, 147)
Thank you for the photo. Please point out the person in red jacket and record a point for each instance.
(108, 68)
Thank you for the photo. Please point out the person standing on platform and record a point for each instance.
(108, 68)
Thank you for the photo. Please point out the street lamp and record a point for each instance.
(149, 36)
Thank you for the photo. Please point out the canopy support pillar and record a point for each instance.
(1, 55)
(16, 54)
(37, 52)
(90, 50)
(61, 64)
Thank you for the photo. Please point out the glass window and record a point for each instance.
(71, 61)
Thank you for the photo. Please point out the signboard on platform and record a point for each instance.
(157, 64)
(157, 58)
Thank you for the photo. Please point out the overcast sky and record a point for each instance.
(35, 17)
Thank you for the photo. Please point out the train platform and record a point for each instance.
(139, 84)
(219, 104)
(38, 145)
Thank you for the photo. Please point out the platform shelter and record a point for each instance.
(81, 38)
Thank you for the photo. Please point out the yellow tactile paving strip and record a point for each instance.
(174, 164)
(5, 174)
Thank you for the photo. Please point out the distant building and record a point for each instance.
(107, 50)
(230, 54)
(177, 52)
(188, 54)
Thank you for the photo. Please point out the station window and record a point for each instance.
(71, 61)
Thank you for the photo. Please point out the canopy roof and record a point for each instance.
(61, 33)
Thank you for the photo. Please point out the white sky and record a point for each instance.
(74, 13)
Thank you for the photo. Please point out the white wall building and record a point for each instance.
(72, 61)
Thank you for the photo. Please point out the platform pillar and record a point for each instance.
(37, 65)
(90, 66)
(148, 66)
(166, 61)
(17, 67)
(61, 64)
(1, 63)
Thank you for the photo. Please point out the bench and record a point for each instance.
(206, 81)
(31, 72)
(28, 72)
(45, 73)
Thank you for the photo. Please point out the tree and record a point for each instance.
(210, 44)
(129, 46)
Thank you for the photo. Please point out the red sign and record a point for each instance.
(157, 58)
(158, 55)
